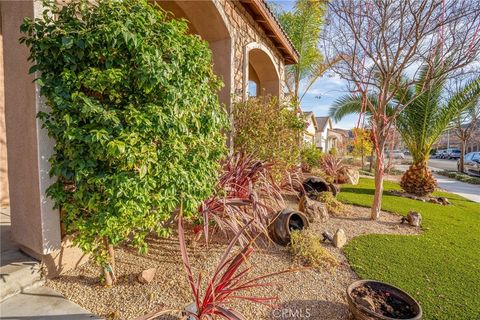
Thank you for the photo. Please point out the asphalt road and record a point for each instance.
(442, 164)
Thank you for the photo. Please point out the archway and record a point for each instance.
(207, 19)
(261, 69)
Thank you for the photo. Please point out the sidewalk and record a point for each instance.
(466, 190)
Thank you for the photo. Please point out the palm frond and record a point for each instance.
(349, 104)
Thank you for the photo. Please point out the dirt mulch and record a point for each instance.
(308, 294)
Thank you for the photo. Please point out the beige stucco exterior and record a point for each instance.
(239, 44)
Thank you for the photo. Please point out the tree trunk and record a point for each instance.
(363, 156)
(377, 198)
(109, 268)
(371, 161)
(462, 156)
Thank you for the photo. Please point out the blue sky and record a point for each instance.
(324, 91)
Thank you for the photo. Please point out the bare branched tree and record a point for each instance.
(387, 39)
(464, 126)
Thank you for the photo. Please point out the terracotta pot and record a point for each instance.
(286, 221)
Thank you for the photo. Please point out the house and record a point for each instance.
(327, 137)
(311, 128)
(249, 48)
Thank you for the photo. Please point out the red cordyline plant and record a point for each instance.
(293, 180)
(228, 282)
(245, 193)
(331, 165)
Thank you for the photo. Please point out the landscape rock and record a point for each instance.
(313, 210)
(339, 239)
(413, 218)
(444, 201)
(146, 276)
(327, 236)
(348, 175)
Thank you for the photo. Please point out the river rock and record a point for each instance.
(339, 239)
(348, 175)
(146, 276)
(313, 210)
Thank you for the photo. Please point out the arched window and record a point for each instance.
(252, 88)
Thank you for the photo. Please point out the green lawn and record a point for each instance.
(440, 268)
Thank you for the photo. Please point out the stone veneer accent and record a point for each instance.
(244, 30)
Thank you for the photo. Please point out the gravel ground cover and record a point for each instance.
(307, 294)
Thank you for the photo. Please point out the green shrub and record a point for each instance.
(269, 131)
(311, 157)
(334, 207)
(134, 112)
(307, 250)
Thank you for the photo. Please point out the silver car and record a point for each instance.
(471, 164)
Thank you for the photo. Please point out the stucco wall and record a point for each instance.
(4, 199)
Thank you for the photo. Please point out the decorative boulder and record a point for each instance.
(313, 210)
(444, 201)
(339, 239)
(348, 176)
(413, 218)
(146, 276)
(327, 236)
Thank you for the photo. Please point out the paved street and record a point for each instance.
(442, 164)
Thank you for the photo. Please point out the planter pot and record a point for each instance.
(396, 296)
(314, 185)
(286, 221)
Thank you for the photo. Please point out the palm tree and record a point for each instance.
(421, 123)
(304, 26)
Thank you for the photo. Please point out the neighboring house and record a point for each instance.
(248, 46)
(311, 128)
(324, 126)
(328, 138)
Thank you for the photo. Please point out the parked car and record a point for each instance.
(453, 154)
(440, 152)
(396, 154)
(471, 164)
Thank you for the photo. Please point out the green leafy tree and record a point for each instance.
(134, 112)
(424, 119)
(311, 157)
(362, 144)
(268, 130)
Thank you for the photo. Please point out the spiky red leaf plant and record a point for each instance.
(245, 192)
(228, 283)
(331, 165)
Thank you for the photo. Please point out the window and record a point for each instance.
(252, 88)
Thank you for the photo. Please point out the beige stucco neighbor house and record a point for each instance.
(248, 45)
